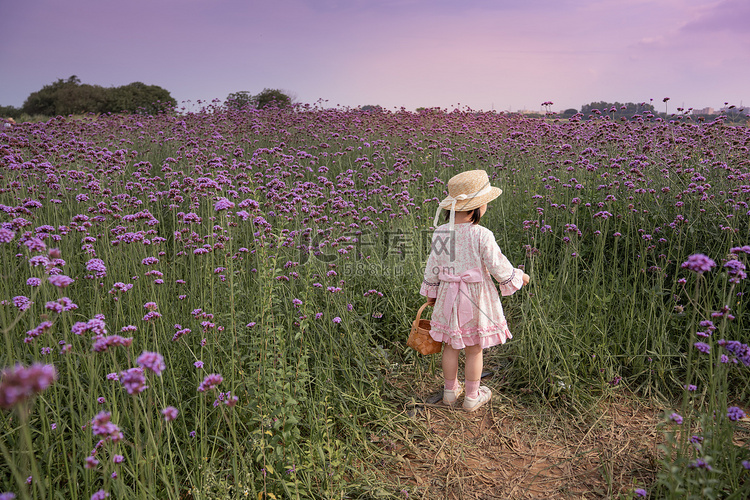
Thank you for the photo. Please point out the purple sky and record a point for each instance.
(485, 54)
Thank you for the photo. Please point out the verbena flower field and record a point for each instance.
(209, 304)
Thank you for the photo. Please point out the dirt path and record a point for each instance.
(510, 451)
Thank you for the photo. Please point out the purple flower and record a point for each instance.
(180, 333)
(22, 302)
(691, 387)
(35, 245)
(151, 315)
(100, 494)
(739, 350)
(39, 260)
(150, 261)
(101, 343)
(60, 280)
(39, 329)
(211, 381)
(153, 361)
(6, 235)
(117, 459)
(746, 464)
(33, 282)
(735, 413)
(223, 204)
(337, 320)
(170, 413)
(724, 312)
(198, 364)
(248, 203)
(91, 462)
(735, 270)
(676, 418)
(61, 305)
(641, 492)
(102, 426)
(7, 496)
(151, 306)
(702, 347)
(97, 267)
(95, 325)
(133, 380)
(699, 263)
(700, 464)
(708, 324)
(742, 249)
(20, 383)
(231, 401)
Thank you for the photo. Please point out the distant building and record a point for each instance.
(705, 111)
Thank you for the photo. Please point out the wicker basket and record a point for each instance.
(419, 337)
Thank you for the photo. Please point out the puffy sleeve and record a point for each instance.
(509, 278)
(430, 280)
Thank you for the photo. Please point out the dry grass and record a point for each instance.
(512, 450)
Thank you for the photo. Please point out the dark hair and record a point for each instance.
(475, 217)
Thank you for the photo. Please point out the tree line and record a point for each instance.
(617, 110)
(71, 96)
(66, 97)
(268, 97)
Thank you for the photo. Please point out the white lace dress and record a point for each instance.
(458, 275)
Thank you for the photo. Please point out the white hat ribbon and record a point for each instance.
(450, 201)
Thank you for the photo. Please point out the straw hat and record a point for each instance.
(467, 191)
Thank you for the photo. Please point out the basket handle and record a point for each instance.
(419, 313)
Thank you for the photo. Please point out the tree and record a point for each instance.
(10, 112)
(239, 100)
(70, 96)
(272, 97)
(80, 99)
(44, 101)
(140, 98)
(568, 113)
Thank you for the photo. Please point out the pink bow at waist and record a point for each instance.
(458, 284)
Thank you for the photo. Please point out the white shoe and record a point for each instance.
(485, 394)
(451, 397)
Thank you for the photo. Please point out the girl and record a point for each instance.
(467, 313)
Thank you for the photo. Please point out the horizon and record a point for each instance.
(481, 54)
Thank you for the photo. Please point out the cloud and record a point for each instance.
(731, 16)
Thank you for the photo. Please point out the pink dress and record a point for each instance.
(458, 275)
